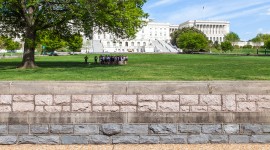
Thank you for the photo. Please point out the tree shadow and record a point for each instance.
(56, 64)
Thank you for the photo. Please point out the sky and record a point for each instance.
(247, 17)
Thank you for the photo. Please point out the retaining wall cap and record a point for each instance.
(135, 87)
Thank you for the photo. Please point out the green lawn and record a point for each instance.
(143, 67)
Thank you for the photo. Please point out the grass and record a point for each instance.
(144, 67)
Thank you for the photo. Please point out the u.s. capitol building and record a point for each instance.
(154, 37)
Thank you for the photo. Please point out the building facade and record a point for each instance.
(214, 30)
(154, 37)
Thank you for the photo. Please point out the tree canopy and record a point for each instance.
(267, 44)
(189, 39)
(226, 46)
(232, 37)
(65, 17)
(261, 38)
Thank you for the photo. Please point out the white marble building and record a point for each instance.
(214, 30)
(154, 37)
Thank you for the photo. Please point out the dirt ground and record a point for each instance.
(140, 147)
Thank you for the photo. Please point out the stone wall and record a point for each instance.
(134, 112)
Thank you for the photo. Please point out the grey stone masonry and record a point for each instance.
(163, 128)
(124, 133)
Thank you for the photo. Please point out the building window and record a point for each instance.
(126, 43)
(144, 43)
(120, 44)
(138, 43)
(132, 43)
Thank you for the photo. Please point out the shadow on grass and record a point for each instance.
(55, 64)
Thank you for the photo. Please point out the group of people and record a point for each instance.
(111, 60)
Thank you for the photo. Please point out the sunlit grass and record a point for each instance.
(147, 67)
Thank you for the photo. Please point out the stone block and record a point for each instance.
(23, 98)
(23, 106)
(125, 139)
(212, 129)
(149, 139)
(125, 100)
(168, 107)
(110, 129)
(246, 106)
(81, 98)
(103, 100)
(43, 99)
(214, 108)
(111, 108)
(198, 139)
(199, 109)
(184, 108)
(97, 108)
(231, 128)
(173, 139)
(149, 98)
(52, 108)
(171, 98)
(5, 99)
(62, 99)
(51, 139)
(251, 128)
(238, 139)
(86, 129)
(163, 128)
(5, 108)
(259, 98)
(27, 139)
(135, 129)
(128, 108)
(81, 107)
(229, 103)
(263, 106)
(66, 108)
(241, 98)
(189, 99)
(266, 128)
(8, 140)
(210, 100)
(39, 109)
(147, 106)
(99, 139)
(188, 128)
(18, 129)
(61, 129)
(219, 139)
(71, 139)
(3, 129)
(260, 138)
(39, 129)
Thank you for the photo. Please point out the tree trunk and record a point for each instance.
(29, 50)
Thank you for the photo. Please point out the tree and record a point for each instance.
(226, 46)
(216, 45)
(189, 39)
(27, 17)
(261, 38)
(267, 44)
(232, 37)
(75, 42)
(2, 42)
(11, 45)
(52, 41)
